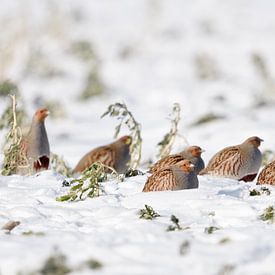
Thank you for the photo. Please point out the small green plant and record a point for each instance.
(165, 145)
(88, 184)
(121, 112)
(148, 213)
(133, 173)
(94, 85)
(224, 240)
(226, 269)
(207, 118)
(175, 224)
(93, 264)
(83, 49)
(184, 248)
(12, 146)
(263, 190)
(56, 264)
(32, 233)
(60, 166)
(210, 229)
(7, 87)
(268, 214)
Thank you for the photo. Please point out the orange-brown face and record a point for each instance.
(126, 140)
(41, 114)
(186, 165)
(195, 151)
(256, 141)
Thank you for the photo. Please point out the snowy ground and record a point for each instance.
(147, 52)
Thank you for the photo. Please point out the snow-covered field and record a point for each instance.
(150, 54)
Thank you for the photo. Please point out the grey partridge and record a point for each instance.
(267, 175)
(240, 162)
(192, 153)
(115, 155)
(176, 177)
(34, 147)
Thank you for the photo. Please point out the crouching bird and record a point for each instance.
(240, 162)
(34, 147)
(267, 175)
(115, 155)
(176, 177)
(192, 153)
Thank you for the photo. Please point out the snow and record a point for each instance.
(162, 39)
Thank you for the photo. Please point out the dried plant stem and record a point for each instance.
(165, 145)
(122, 113)
(13, 140)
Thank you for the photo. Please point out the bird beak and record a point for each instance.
(202, 150)
(192, 165)
(261, 140)
(47, 113)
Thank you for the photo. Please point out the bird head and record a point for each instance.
(186, 165)
(127, 140)
(41, 114)
(255, 141)
(195, 151)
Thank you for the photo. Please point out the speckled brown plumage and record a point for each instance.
(267, 175)
(176, 177)
(240, 162)
(115, 155)
(34, 147)
(192, 153)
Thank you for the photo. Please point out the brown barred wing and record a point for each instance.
(229, 167)
(267, 175)
(219, 158)
(166, 162)
(104, 154)
(160, 181)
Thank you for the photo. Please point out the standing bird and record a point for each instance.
(34, 147)
(240, 162)
(192, 153)
(115, 155)
(176, 177)
(267, 175)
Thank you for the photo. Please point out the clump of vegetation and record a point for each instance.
(224, 240)
(207, 118)
(56, 264)
(8, 87)
(133, 173)
(94, 85)
(175, 224)
(12, 145)
(210, 229)
(60, 166)
(88, 184)
(268, 214)
(205, 67)
(93, 264)
(83, 49)
(121, 112)
(263, 190)
(148, 213)
(184, 248)
(268, 156)
(165, 145)
(32, 233)
(6, 118)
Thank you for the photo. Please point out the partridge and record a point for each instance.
(176, 177)
(115, 155)
(35, 146)
(267, 175)
(240, 162)
(10, 225)
(192, 153)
